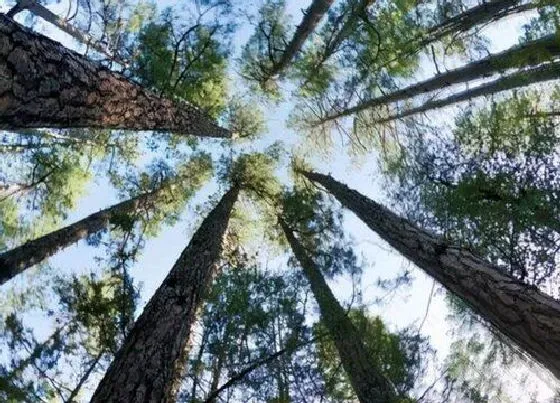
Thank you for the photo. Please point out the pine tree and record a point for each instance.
(149, 365)
(521, 312)
(369, 383)
(527, 54)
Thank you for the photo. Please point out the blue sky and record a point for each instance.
(407, 307)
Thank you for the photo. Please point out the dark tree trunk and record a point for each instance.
(150, 364)
(15, 261)
(547, 72)
(521, 312)
(311, 19)
(43, 84)
(528, 54)
(370, 385)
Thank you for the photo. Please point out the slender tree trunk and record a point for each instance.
(47, 15)
(15, 261)
(369, 384)
(547, 72)
(311, 19)
(150, 364)
(528, 54)
(484, 13)
(521, 312)
(43, 84)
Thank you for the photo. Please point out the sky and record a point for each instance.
(423, 301)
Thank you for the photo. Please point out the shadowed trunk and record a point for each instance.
(311, 19)
(43, 84)
(15, 261)
(370, 385)
(547, 72)
(528, 54)
(521, 312)
(149, 366)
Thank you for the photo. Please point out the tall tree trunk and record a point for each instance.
(150, 364)
(528, 317)
(313, 15)
(15, 261)
(547, 72)
(47, 15)
(369, 384)
(527, 54)
(43, 84)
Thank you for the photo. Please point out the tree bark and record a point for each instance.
(528, 317)
(43, 84)
(547, 72)
(370, 385)
(150, 364)
(311, 19)
(527, 54)
(15, 261)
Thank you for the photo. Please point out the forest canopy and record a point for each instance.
(277, 201)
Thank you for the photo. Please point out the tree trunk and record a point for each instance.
(521, 312)
(150, 364)
(547, 72)
(311, 19)
(484, 13)
(43, 84)
(528, 54)
(15, 261)
(41, 11)
(368, 383)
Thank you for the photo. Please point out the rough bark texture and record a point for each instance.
(311, 19)
(547, 72)
(370, 385)
(528, 54)
(15, 261)
(43, 84)
(528, 317)
(150, 364)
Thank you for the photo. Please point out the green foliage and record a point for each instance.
(190, 65)
(245, 119)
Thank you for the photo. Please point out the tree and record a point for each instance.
(519, 79)
(266, 53)
(527, 54)
(152, 358)
(122, 214)
(500, 299)
(369, 383)
(37, 80)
